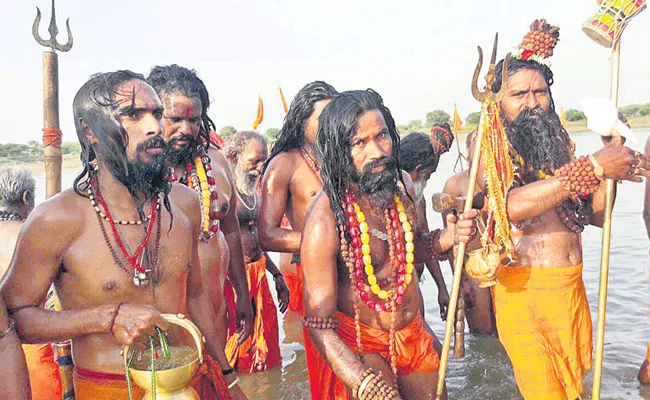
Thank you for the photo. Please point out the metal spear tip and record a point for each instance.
(53, 30)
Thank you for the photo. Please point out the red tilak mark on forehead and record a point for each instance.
(187, 114)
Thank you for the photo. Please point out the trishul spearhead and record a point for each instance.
(51, 43)
(490, 77)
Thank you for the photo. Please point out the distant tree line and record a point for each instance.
(31, 152)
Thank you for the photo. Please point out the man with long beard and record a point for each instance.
(247, 152)
(17, 191)
(205, 169)
(540, 302)
(363, 304)
(120, 247)
(290, 181)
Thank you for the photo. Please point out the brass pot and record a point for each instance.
(483, 265)
(172, 384)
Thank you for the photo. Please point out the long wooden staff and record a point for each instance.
(471, 186)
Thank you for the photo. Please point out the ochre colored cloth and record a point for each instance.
(91, 385)
(647, 353)
(217, 140)
(262, 349)
(544, 324)
(44, 376)
(413, 348)
(294, 283)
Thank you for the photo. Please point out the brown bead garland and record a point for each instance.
(375, 387)
(434, 237)
(320, 322)
(578, 177)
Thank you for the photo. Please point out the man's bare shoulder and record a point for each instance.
(185, 199)
(218, 158)
(283, 163)
(408, 183)
(319, 215)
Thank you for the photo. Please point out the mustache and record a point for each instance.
(155, 142)
(388, 162)
(184, 137)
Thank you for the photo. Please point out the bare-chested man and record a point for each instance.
(540, 302)
(111, 247)
(290, 181)
(478, 301)
(363, 303)
(419, 159)
(247, 152)
(17, 191)
(187, 130)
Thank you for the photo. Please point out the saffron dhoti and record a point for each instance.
(262, 349)
(293, 281)
(91, 385)
(44, 376)
(544, 324)
(413, 348)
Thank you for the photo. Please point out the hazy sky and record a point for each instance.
(419, 55)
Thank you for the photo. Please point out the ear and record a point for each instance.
(417, 169)
(90, 137)
(28, 197)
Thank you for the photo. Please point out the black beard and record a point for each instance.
(542, 142)
(380, 186)
(147, 178)
(184, 155)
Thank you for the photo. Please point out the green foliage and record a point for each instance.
(635, 110)
(13, 153)
(70, 148)
(473, 118)
(574, 115)
(227, 131)
(271, 134)
(436, 116)
(414, 125)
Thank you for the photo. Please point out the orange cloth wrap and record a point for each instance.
(647, 353)
(91, 385)
(544, 324)
(294, 283)
(262, 349)
(44, 376)
(413, 347)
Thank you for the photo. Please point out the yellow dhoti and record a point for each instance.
(544, 324)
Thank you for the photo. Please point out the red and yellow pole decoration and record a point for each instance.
(260, 113)
(606, 28)
(284, 101)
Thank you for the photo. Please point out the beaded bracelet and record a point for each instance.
(12, 326)
(319, 322)
(375, 387)
(434, 237)
(116, 310)
(578, 177)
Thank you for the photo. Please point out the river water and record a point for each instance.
(485, 372)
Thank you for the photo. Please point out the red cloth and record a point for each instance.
(217, 140)
(294, 283)
(44, 376)
(262, 349)
(91, 385)
(413, 347)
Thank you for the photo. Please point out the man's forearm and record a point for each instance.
(434, 269)
(280, 240)
(534, 199)
(35, 325)
(345, 364)
(206, 319)
(270, 265)
(236, 266)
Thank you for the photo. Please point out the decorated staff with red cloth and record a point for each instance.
(247, 152)
(121, 246)
(540, 198)
(363, 304)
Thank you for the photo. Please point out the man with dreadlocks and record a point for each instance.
(419, 156)
(103, 246)
(290, 181)
(206, 170)
(540, 302)
(247, 151)
(363, 304)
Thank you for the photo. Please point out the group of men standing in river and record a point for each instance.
(163, 221)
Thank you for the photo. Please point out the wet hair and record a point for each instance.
(337, 125)
(516, 64)
(292, 133)
(169, 79)
(95, 105)
(14, 182)
(237, 143)
(415, 149)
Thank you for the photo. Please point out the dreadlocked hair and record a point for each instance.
(337, 126)
(292, 133)
(514, 65)
(168, 79)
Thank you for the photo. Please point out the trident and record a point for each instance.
(459, 260)
(51, 129)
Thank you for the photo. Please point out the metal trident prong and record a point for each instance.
(490, 77)
(51, 43)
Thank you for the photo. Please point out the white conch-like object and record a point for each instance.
(602, 118)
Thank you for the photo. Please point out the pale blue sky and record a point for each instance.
(419, 55)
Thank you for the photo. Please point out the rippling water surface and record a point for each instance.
(485, 372)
